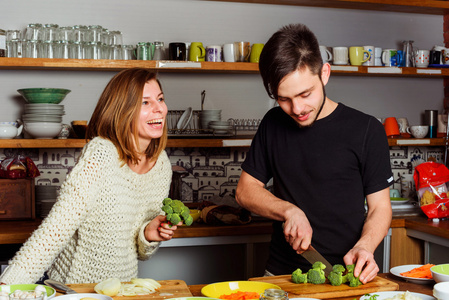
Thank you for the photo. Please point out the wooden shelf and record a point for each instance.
(198, 67)
(191, 142)
(432, 7)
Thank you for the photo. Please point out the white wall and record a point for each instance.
(240, 96)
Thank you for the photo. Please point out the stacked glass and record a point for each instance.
(74, 42)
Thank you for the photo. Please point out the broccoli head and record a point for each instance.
(338, 268)
(316, 276)
(318, 265)
(337, 278)
(176, 211)
(299, 277)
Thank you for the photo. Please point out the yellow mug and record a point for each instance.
(256, 49)
(356, 55)
(197, 52)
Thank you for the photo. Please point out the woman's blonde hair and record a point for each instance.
(115, 116)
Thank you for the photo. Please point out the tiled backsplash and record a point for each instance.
(202, 173)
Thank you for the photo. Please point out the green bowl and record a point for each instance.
(44, 95)
(27, 287)
(440, 273)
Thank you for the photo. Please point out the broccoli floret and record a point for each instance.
(167, 201)
(318, 265)
(353, 281)
(175, 219)
(299, 277)
(316, 276)
(338, 268)
(189, 220)
(337, 278)
(167, 209)
(176, 211)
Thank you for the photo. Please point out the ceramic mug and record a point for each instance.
(371, 60)
(403, 125)
(197, 52)
(418, 131)
(326, 55)
(422, 58)
(256, 49)
(177, 51)
(242, 51)
(340, 55)
(391, 127)
(357, 55)
(389, 57)
(214, 53)
(229, 52)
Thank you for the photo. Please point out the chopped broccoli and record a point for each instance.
(338, 268)
(176, 211)
(299, 277)
(318, 265)
(337, 278)
(316, 276)
(353, 281)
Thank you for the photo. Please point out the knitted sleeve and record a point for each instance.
(72, 205)
(145, 248)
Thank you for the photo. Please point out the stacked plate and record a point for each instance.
(45, 198)
(220, 127)
(208, 115)
(43, 120)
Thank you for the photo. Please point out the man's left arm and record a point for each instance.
(376, 227)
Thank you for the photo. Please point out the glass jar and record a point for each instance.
(158, 50)
(2, 43)
(274, 294)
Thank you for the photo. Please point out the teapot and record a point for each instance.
(9, 130)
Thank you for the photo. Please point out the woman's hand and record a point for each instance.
(159, 230)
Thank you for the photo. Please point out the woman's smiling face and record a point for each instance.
(152, 114)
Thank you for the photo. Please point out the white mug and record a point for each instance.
(418, 131)
(214, 53)
(341, 56)
(370, 61)
(442, 124)
(378, 56)
(229, 52)
(326, 55)
(422, 58)
(387, 54)
(403, 124)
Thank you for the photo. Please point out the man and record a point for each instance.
(324, 158)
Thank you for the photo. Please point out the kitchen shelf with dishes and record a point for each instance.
(234, 141)
(12, 63)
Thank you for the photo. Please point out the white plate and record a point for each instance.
(396, 202)
(185, 119)
(401, 269)
(386, 295)
(83, 295)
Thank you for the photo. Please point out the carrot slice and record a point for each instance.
(419, 272)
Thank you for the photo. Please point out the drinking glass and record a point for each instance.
(115, 37)
(62, 49)
(127, 52)
(33, 32)
(79, 33)
(76, 50)
(116, 52)
(65, 33)
(48, 49)
(50, 32)
(93, 33)
(32, 49)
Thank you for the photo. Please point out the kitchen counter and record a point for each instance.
(17, 232)
(403, 286)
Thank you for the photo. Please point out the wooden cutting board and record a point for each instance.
(325, 290)
(171, 289)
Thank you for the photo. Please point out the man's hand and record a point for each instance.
(297, 230)
(365, 266)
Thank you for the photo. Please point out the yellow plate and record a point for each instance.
(215, 290)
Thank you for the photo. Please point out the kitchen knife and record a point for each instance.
(312, 256)
(59, 286)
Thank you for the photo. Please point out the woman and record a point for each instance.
(108, 214)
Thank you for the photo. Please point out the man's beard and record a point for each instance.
(319, 110)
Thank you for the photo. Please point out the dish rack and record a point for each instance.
(193, 128)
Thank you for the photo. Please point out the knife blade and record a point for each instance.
(59, 286)
(312, 256)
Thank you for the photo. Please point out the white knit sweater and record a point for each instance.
(95, 229)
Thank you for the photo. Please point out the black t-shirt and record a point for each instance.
(326, 170)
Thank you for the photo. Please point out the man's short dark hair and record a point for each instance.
(291, 48)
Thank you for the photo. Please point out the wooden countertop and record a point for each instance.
(17, 232)
(403, 286)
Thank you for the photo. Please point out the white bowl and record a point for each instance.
(43, 130)
(83, 295)
(441, 291)
(440, 273)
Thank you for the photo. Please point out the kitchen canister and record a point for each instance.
(431, 119)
